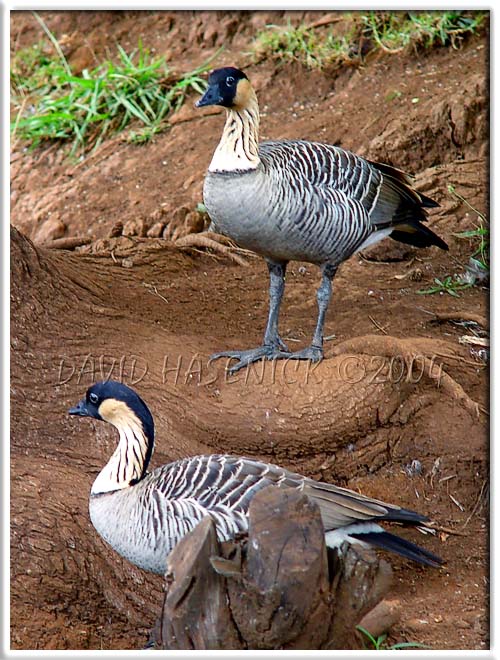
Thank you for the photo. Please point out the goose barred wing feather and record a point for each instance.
(223, 486)
(217, 485)
(340, 507)
(322, 166)
(145, 522)
(352, 197)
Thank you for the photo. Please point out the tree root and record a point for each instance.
(68, 243)
(414, 352)
(442, 317)
(217, 242)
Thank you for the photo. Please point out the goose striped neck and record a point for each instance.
(238, 148)
(128, 463)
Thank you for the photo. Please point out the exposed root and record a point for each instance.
(414, 352)
(381, 618)
(69, 243)
(217, 243)
(442, 317)
(325, 20)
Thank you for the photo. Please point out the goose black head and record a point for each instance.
(114, 402)
(228, 87)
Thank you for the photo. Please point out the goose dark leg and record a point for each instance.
(273, 346)
(314, 352)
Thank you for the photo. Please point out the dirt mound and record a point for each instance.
(377, 415)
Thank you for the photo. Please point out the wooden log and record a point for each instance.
(284, 599)
(360, 581)
(271, 590)
(195, 613)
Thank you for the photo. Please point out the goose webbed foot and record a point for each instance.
(275, 351)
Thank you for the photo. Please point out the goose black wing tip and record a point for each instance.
(427, 202)
(392, 543)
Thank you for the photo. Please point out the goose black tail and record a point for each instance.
(399, 545)
(418, 235)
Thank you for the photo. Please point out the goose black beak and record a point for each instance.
(80, 409)
(210, 97)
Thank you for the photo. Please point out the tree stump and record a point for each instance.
(275, 589)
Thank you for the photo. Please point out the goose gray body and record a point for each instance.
(293, 200)
(169, 502)
(143, 515)
(305, 201)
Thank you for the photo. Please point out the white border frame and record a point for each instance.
(7, 7)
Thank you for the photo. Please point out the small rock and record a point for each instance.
(156, 230)
(413, 468)
(382, 617)
(416, 275)
(82, 58)
(116, 229)
(416, 625)
(50, 230)
(194, 222)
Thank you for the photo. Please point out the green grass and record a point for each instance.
(448, 285)
(380, 643)
(394, 32)
(301, 44)
(51, 103)
(480, 235)
(361, 33)
(477, 269)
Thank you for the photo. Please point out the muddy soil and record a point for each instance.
(132, 304)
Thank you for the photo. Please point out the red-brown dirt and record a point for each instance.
(139, 307)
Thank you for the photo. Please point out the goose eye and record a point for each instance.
(229, 81)
(93, 397)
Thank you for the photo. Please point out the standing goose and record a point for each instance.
(142, 515)
(298, 200)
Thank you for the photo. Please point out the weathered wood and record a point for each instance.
(360, 581)
(276, 593)
(195, 613)
(284, 599)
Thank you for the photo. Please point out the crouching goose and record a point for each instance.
(142, 515)
(298, 200)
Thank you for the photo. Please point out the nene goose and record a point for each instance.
(297, 200)
(142, 515)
